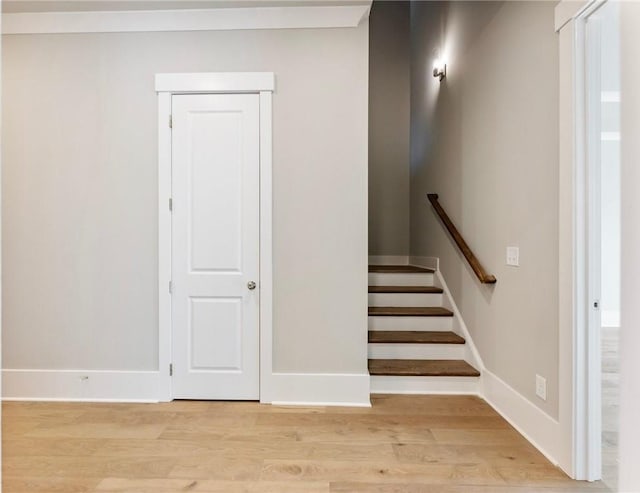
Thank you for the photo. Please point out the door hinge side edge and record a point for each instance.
(170, 369)
(170, 121)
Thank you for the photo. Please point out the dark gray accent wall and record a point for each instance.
(389, 84)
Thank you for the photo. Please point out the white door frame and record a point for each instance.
(580, 363)
(166, 85)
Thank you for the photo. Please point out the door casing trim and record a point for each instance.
(166, 85)
(579, 364)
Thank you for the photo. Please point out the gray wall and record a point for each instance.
(389, 80)
(486, 140)
(80, 193)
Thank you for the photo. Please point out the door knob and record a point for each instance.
(251, 285)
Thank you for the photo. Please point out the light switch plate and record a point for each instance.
(513, 256)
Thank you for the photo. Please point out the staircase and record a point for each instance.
(416, 344)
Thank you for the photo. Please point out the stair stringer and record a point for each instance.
(472, 355)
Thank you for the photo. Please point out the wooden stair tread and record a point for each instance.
(422, 368)
(414, 337)
(405, 289)
(400, 269)
(409, 311)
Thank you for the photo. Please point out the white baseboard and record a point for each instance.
(81, 385)
(540, 429)
(388, 259)
(320, 389)
(147, 386)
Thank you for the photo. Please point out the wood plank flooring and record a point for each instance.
(400, 269)
(410, 311)
(406, 289)
(422, 368)
(402, 444)
(414, 337)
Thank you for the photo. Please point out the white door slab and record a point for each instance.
(215, 246)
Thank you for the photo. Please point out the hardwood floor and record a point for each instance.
(402, 444)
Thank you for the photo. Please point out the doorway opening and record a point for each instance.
(603, 99)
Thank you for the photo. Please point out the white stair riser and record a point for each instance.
(387, 279)
(416, 351)
(410, 323)
(405, 299)
(424, 385)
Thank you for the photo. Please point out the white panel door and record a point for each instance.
(215, 246)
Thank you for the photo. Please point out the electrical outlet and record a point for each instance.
(513, 256)
(541, 387)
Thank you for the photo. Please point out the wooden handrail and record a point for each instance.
(462, 245)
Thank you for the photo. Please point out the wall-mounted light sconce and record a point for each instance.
(439, 69)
